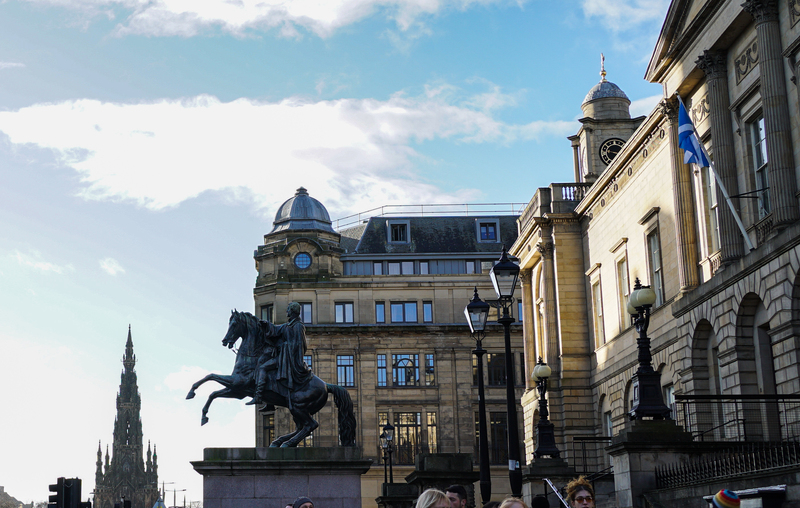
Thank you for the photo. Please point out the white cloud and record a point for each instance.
(34, 260)
(624, 15)
(111, 266)
(10, 65)
(350, 153)
(644, 106)
(188, 18)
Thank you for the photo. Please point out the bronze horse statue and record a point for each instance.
(306, 400)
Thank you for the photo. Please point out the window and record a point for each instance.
(608, 425)
(302, 260)
(423, 268)
(344, 370)
(398, 232)
(344, 312)
(623, 290)
(267, 313)
(407, 267)
(432, 434)
(474, 370)
(404, 312)
(377, 268)
(305, 313)
(394, 268)
(498, 438)
(760, 165)
(405, 370)
(307, 359)
(470, 268)
(407, 430)
(308, 442)
(656, 273)
(382, 370)
(430, 377)
(709, 189)
(427, 312)
(380, 312)
(669, 399)
(488, 231)
(519, 312)
(597, 315)
(268, 428)
(496, 363)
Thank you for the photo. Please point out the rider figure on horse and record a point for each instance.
(292, 371)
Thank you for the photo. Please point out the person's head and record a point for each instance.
(293, 310)
(540, 501)
(513, 502)
(288, 505)
(492, 504)
(725, 499)
(580, 493)
(303, 502)
(432, 498)
(457, 495)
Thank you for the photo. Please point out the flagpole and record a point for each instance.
(719, 183)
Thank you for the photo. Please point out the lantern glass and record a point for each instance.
(388, 429)
(477, 312)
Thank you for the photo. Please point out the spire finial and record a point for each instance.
(602, 67)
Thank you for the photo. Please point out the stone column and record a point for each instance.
(714, 65)
(528, 325)
(551, 315)
(775, 106)
(685, 218)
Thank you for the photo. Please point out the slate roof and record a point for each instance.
(430, 235)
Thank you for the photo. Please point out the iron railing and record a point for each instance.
(738, 460)
(738, 418)
(588, 455)
(433, 209)
(406, 453)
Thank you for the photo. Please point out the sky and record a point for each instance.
(145, 146)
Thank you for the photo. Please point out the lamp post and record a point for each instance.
(646, 383)
(387, 438)
(504, 277)
(477, 311)
(546, 437)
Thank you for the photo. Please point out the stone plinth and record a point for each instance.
(260, 477)
(440, 470)
(397, 495)
(533, 478)
(638, 449)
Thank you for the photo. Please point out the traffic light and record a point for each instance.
(57, 500)
(72, 492)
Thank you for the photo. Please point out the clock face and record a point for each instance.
(610, 148)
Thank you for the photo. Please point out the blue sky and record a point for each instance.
(146, 144)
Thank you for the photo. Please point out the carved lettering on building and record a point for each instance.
(700, 110)
(746, 60)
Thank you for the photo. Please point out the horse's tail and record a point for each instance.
(347, 419)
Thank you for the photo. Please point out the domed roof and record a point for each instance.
(302, 212)
(604, 90)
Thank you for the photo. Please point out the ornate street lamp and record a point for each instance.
(477, 311)
(646, 383)
(546, 437)
(387, 439)
(504, 277)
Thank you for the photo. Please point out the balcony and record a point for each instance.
(557, 198)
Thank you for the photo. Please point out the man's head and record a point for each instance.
(457, 495)
(293, 310)
(303, 502)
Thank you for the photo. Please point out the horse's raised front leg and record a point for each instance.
(225, 392)
(219, 378)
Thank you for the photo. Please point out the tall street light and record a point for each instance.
(387, 438)
(646, 383)
(477, 311)
(504, 277)
(545, 433)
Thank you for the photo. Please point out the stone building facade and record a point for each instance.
(383, 306)
(125, 474)
(727, 318)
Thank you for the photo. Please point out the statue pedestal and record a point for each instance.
(274, 477)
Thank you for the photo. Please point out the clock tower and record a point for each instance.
(606, 126)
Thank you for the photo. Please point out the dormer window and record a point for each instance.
(398, 231)
(488, 230)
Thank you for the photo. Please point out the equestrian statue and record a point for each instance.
(270, 368)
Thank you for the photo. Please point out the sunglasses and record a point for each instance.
(588, 499)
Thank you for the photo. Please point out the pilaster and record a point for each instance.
(714, 65)
(775, 107)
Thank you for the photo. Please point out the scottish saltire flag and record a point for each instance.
(692, 152)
